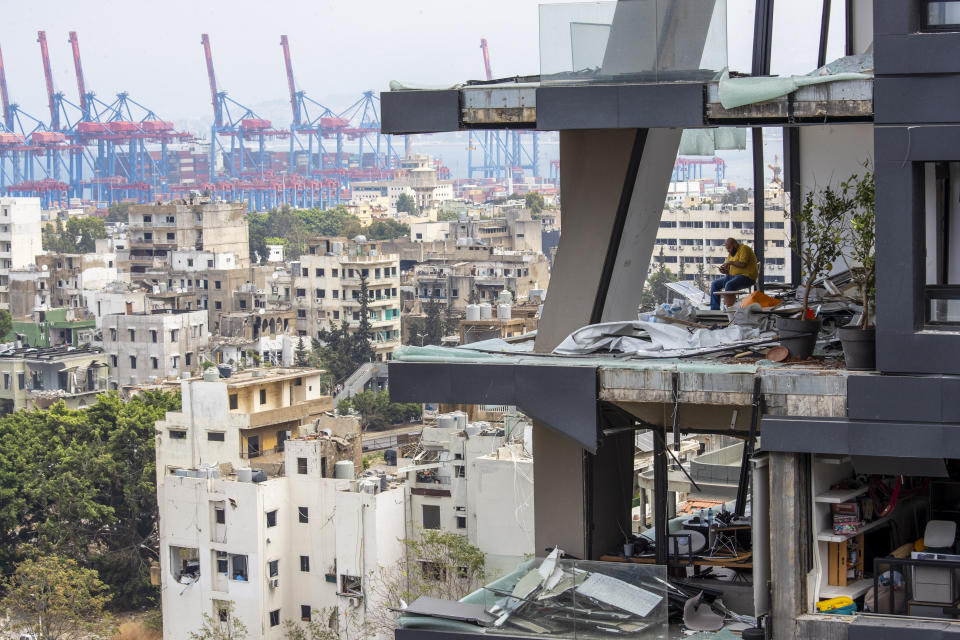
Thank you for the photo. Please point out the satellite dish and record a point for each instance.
(275, 275)
(43, 267)
(262, 311)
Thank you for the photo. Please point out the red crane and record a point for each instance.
(7, 119)
(48, 74)
(293, 87)
(218, 119)
(486, 58)
(75, 45)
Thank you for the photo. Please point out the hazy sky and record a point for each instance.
(339, 47)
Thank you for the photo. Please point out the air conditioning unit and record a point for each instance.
(274, 583)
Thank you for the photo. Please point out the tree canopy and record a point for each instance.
(294, 227)
(59, 597)
(377, 411)
(341, 351)
(78, 235)
(406, 203)
(534, 202)
(81, 484)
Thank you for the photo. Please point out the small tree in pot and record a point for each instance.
(816, 239)
(859, 342)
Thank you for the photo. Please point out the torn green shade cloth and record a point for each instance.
(706, 142)
(737, 92)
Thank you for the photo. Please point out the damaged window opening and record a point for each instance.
(941, 294)
(351, 586)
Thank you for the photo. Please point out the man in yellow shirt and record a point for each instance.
(740, 271)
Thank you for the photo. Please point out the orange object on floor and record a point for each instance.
(762, 299)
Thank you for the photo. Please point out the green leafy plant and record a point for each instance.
(861, 235)
(818, 235)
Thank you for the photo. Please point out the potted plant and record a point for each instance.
(860, 341)
(816, 239)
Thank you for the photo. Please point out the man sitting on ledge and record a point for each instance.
(739, 272)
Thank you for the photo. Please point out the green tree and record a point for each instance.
(79, 235)
(377, 411)
(6, 324)
(61, 598)
(655, 289)
(362, 347)
(439, 564)
(301, 357)
(406, 204)
(118, 212)
(323, 625)
(534, 201)
(386, 230)
(738, 196)
(81, 484)
(226, 626)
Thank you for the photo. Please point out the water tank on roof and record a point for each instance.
(245, 474)
(360, 238)
(225, 370)
(503, 311)
(486, 311)
(368, 486)
(390, 457)
(446, 421)
(505, 297)
(258, 475)
(343, 470)
(473, 312)
(383, 482)
(461, 419)
(210, 374)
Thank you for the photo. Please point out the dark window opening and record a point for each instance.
(305, 563)
(431, 516)
(301, 466)
(303, 514)
(275, 617)
(272, 518)
(273, 568)
(234, 401)
(305, 613)
(216, 436)
(176, 434)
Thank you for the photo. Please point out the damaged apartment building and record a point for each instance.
(250, 474)
(847, 481)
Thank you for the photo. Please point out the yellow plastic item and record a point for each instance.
(834, 603)
(919, 545)
(765, 301)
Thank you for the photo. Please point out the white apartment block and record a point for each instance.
(148, 347)
(285, 542)
(20, 239)
(327, 291)
(475, 480)
(690, 237)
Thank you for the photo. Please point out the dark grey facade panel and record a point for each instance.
(916, 53)
(564, 398)
(841, 436)
(626, 106)
(906, 398)
(419, 111)
(893, 18)
(593, 107)
(901, 346)
(915, 99)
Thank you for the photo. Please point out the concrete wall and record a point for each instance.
(192, 336)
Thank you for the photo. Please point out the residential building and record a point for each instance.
(204, 235)
(476, 274)
(475, 480)
(829, 435)
(55, 327)
(515, 230)
(327, 290)
(116, 297)
(35, 378)
(690, 241)
(20, 239)
(263, 545)
(147, 347)
(60, 280)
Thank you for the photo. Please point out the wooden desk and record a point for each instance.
(742, 561)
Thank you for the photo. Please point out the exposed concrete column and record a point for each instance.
(605, 205)
(558, 492)
(787, 544)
